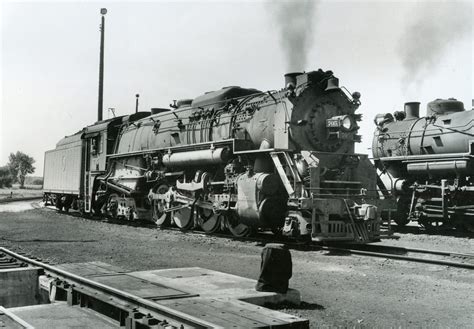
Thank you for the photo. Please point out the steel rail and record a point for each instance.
(424, 251)
(133, 299)
(405, 258)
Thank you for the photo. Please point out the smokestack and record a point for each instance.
(412, 110)
(290, 80)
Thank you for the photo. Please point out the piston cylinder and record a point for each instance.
(258, 201)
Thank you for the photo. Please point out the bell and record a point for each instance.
(333, 84)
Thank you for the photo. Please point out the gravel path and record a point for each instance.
(338, 290)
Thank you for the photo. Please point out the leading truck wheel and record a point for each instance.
(209, 221)
(183, 218)
(235, 227)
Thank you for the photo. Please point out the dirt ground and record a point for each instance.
(337, 290)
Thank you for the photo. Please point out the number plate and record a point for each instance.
(332, 123)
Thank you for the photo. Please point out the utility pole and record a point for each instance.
(103, 11)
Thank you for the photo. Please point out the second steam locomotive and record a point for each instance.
(430, 160)
(237, 159)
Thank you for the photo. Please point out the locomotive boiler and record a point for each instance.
(430, 162)
(238, 159)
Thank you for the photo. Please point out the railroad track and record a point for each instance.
(434, 257)
(166, 317)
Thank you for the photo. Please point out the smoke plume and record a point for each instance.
(294, 22)
(434, 29)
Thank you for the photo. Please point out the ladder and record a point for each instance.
(290, 177)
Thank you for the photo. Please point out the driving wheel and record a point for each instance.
(209, 221)
(160, 217)
(183, 218)
(235, 227)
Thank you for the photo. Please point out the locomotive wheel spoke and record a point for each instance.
(183, 218)
(235, 227)
(160, 217)
(209, 221)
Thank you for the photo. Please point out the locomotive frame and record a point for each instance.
(236, 159)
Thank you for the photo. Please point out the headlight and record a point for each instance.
(346, 122)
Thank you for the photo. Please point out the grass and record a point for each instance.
(16, 192)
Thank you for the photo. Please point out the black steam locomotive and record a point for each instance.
(430, 161)
(236, 158)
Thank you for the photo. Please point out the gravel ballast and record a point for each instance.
(338, 290)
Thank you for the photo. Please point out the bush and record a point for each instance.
(37, 181)
(6, 180)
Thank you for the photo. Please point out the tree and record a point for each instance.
(6, 178)
(20, 165)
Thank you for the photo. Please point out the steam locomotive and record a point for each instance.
(430, 161)
(237, 159)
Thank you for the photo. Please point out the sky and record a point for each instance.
(391, 52)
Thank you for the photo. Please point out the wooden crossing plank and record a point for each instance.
(252, 315)
(212, 296)
(265, 315)
(139, 287)
(206, 309)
